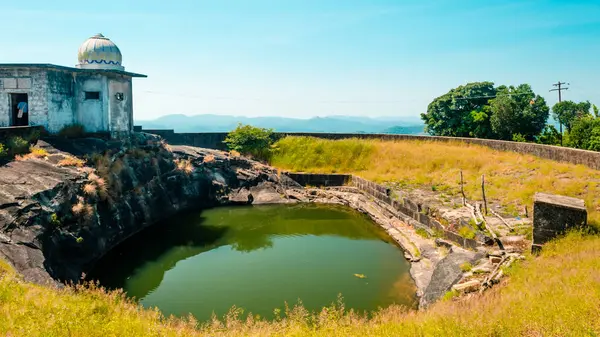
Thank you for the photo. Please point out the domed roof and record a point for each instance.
(98, 52)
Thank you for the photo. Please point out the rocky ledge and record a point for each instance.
(66, 206)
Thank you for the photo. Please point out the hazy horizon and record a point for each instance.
(310, 58)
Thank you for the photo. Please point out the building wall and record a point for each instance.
(34, 83)
(61, 100)
(92, 113)
(120, 111)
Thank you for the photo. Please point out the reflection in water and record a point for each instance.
(257, 257)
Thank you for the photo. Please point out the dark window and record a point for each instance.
(92, 95)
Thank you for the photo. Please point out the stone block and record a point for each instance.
(467, 287)
(554, 214)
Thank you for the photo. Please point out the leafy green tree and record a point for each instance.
(566, 112)
(251, 141)
(549, 136)
(585, 133)
(518, 110)
(462, 112)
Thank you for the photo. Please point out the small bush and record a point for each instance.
(422, 232)
(448, 296)
(72, 131)
(54, 221)
(33, 136)
(466, 267)
(251, 141)
(17, 145)
(3, 150)
(466, 232)
(517, 137)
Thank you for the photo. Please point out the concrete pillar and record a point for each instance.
(553, 215)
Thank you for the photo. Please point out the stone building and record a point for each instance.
(96, 93)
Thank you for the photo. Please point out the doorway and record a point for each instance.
(16, 102)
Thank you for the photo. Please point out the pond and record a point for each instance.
(257, 258)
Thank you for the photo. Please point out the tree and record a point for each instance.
(585, 133)
(566, 112)
(251, 141)
(549, 136)
(518, 110)
(462, 112)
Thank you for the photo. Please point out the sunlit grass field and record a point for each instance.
(556, 294)
(511, 179)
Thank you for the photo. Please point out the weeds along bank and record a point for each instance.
(555, 294)
(511, 179)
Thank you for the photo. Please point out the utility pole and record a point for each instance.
(560, 88)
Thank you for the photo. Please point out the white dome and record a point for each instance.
(98, 52)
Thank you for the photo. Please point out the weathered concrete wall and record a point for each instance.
(61, 100)
(32, 82)
(214, 140)
(120, 111)
(418, 212)
(92, 113)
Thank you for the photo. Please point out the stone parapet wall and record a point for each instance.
(214, 140)
(418, 212)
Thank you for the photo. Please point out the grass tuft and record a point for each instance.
(71, 161)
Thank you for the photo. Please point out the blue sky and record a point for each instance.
(316, 57)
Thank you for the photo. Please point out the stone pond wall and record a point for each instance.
(417, 211)
(214, 140)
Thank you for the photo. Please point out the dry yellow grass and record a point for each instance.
(208, 159)
(511, 179)
(185, 165)
(90, 189)
(71, 161)
(556, 294)
(34, 152)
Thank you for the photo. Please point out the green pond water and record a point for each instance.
(257, 258)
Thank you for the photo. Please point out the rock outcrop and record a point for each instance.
(58, 214)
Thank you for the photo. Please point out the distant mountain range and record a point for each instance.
(334, 124)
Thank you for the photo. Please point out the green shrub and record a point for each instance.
(72, 131)
(250, 141)
(17, 145)
(422, 232)
(3, 150)
(466, 232)
(549, 136)
(517, 137)
(465, 267)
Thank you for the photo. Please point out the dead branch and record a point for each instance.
(462, 189)
(502, 219)
(483, 192)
